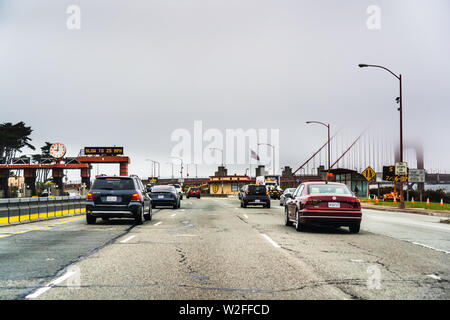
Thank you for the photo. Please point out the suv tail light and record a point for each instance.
(89, 196)
(135, 197)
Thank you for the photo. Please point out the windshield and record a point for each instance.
(113, 184)
(291, 190)
(329, 189)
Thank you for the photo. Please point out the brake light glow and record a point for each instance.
(89, 196)
(135, 197)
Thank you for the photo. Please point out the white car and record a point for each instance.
(179, 190)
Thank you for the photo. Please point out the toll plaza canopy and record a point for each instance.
(354, 180)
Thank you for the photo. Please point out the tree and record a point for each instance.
(45, 153)
(14, 137)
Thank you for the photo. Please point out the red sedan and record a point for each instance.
(193, 192)
(325, 204)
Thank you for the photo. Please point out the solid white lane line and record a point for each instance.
(158, 223)
(173, 215)
(276, 245)
(127, 239)
(424, 245)
(40, 291)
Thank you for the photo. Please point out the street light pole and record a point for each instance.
(153, 166)
(328, 143)
(181, 169)
(401, 203)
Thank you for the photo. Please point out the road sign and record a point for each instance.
(152, 179)
(103, 151)
(369, 173)
(389, 174)
(401, 169)
(416, 175)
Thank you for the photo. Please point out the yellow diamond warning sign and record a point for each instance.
(369, 174)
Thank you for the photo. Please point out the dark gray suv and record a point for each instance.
(255, 195)
(118, 197)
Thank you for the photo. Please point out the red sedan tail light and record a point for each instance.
(356, 203)
(89, 196)
(312, 202)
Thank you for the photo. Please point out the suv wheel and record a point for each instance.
(148, 216)
(90, 219)
(287, 222)
(139, 218)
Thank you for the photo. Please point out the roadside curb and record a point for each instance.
(413, 211)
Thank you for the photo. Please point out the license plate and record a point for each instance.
(111, 199)
(161, 196)
(334, 205)
(257, 200)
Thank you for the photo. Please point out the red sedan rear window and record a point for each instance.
(337, 190)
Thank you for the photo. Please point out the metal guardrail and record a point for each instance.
(23, 210)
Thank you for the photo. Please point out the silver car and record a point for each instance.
(286, 195)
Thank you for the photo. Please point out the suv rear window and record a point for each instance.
(256, 190)
(113, 184)
(328, 189)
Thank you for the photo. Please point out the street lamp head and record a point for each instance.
(362, 65)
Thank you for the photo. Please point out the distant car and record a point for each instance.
(241, 191)
(286, 195)
(179, 190)
(324, 204)
(193, 192)
(255, 195)
(165, 196)
(118, 197)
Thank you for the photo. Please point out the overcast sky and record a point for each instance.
(136, 71)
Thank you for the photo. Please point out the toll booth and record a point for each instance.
(354, 180)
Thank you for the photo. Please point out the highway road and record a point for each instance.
(213, 249)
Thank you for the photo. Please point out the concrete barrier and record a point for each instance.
(4, 212)
(23, 210)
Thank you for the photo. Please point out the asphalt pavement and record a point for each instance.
(211, 248)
